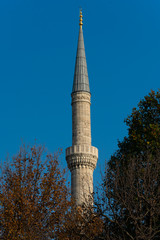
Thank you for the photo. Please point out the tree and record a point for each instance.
(131, 193)
(36, 204)
(143, 127)
(82, 223)
(133, 198)
(33, 196)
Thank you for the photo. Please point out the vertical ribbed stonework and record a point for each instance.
(81, 157)
(81, 122)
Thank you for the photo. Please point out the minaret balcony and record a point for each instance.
(86, 149)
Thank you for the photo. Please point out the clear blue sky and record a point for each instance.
(38, 41)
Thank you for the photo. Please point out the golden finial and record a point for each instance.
(80, 19)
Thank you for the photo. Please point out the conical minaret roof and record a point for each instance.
(81, 81)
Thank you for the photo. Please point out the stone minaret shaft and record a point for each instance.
(81, 157)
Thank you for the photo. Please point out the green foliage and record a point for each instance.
(131, 183)
(143, 129)
(144, 123)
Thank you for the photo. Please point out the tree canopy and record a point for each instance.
(143, 126)
(33, 195)
(131, 192)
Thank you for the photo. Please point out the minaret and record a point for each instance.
(82, 156)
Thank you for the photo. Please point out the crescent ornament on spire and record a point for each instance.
(81, 19)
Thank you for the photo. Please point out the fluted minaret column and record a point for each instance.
(81, 157)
